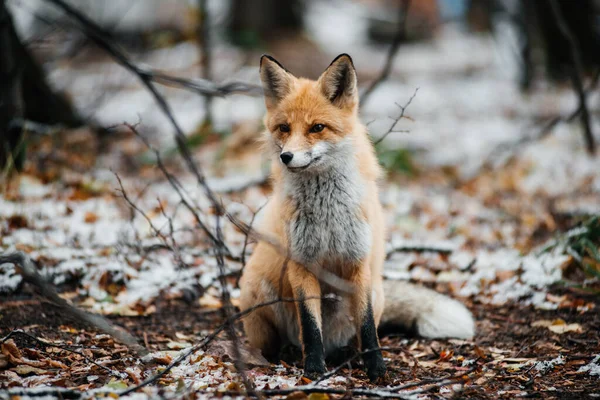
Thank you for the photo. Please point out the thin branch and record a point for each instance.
(205, 53)
(246, 238)
(175, 184)
(387, 68)
(202, 87)
(397, 118)
(576, 75)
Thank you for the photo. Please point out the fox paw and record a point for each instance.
(313, 369)
(375, 366)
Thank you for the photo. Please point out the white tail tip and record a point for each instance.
(447, 318)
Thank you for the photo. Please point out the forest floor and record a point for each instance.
(479, 208)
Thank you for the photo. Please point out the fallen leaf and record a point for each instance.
(250, 355)
(297, 396)
(116, 384)
(90, 217)
(9, 348)
(17, 222)
(177, 345)
(28, 369)
(445, 355)
(558, 326)
(318, 396)
(480, 353)
(210, 301)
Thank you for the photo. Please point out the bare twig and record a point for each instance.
(176, 185)
(396, 119)
(387, 68)
(205, 53)
(172, 247)
(246, 238)
(48, 291)
(202, 87)
(576, 75)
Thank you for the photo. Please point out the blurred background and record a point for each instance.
(487, 71)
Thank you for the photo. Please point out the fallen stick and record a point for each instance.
(29, 272)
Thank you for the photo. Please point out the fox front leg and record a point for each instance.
(373, 360)
(307, 289)
(366, 328)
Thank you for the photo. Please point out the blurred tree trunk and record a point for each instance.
(24, 93)
(11, 104)
(541, 41)
(580, 16)
(253, 22)
(206, 54)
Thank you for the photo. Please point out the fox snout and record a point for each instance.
(297, 160)
(286, 157)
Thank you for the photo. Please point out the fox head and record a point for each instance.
(310, 122)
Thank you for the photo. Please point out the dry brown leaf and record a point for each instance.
(165, 359)
(480, 353)
(10, 349)
(90, 217)
(56, 364)
(297, 396)
(558, 326)
(318, 396)
(28, 369)
(225, 350)
(445, 355)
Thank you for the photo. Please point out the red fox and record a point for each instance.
(325, 209)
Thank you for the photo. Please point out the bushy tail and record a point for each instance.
(428, 313)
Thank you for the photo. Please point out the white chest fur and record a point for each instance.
(327, 224)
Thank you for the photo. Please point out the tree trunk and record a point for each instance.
(24, 94)
(253, 22)
(11, 100)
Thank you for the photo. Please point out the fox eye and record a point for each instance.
(317, 128)
(284, 128)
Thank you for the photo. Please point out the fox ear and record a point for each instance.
(276, 80)
(338, 82)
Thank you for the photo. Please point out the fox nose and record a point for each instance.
(286, 157)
